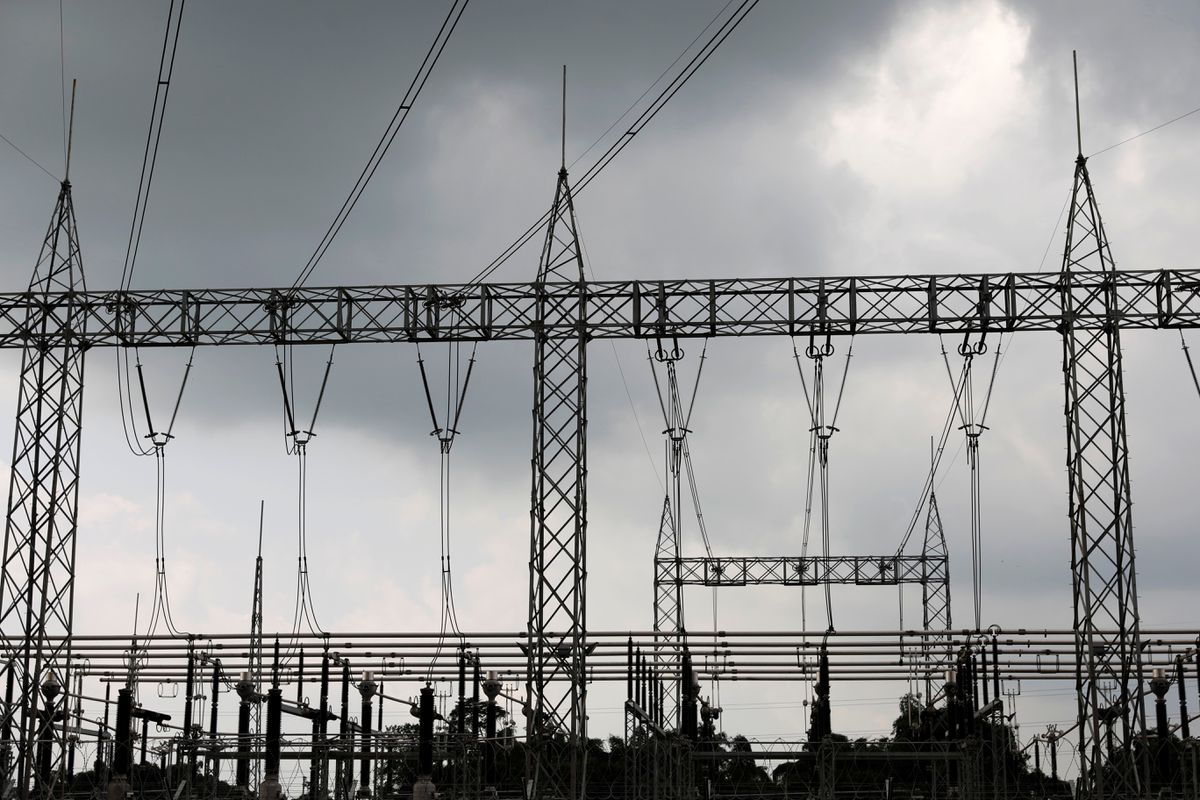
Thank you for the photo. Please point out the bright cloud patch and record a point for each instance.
(945, 86)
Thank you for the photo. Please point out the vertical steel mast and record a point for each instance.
(557, 633)
(256, 649)
(38, 587)
(1107, 640)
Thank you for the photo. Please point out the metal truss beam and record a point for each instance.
(607, 309)
(803, 571)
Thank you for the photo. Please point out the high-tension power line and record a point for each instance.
(728, 26)
(28, 157)
(432, 55)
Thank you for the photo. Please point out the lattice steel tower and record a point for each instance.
(935, 596)
(1107, 639)
(557, 645)
(38, 588)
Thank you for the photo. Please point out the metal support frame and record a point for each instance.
(668, 569)
(1102, 552)
(38, 587)
(806, 570)
(668, 598)
(557, 634)
(936, 620)
(56, 320)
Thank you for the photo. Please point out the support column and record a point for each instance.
(367, 689)
(557, 631)
(1107, 639)
(936, 619)
(38, 587)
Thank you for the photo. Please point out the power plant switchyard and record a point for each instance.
(505, 713)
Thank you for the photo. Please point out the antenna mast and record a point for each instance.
(564, 119)
(1078, 125)
(70, 134)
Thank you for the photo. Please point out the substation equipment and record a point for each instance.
(1088, 304)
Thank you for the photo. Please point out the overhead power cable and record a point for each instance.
(928, 486)
(445, 430)
(728, 26)
(1158, 127)
(973, 425)
(385, 142)
(162, 88)
(28, 157)
(159, 439)
(296, 442)
(820, 432)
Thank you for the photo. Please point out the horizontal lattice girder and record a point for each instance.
(612, 309)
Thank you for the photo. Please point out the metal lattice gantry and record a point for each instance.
(936, 619)
(668, 548)
(38, 588)
(1017, 302)
(556, 679)
(807, 570)
(1102, 555)
(1087, 304)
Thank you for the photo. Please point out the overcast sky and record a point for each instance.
(831, 139)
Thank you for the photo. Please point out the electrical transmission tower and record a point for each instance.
(38, 589)
(1108, 641)
(557, 645)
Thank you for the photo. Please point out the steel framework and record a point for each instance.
(38, 587)
(1087, 304)
(808, 570)
(1102, 554)
(558, 556)
(935, 595)
(912, 304)
(668, 547)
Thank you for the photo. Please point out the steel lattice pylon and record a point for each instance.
(557, 635)
(935, 595)
(37, 591)
(668, 601)
(1102, 555)
(668, 549)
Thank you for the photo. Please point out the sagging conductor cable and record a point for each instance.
(973, 423)
(296, 441)
(820, 432)
(162, 89)
(159, 440)
(446, 430)
(677, 422)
